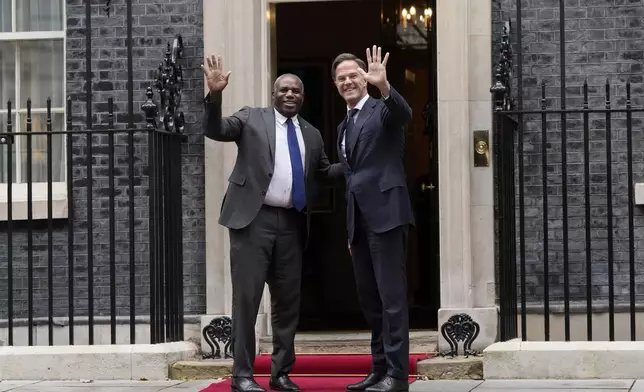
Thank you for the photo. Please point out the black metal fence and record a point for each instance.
(565, 208)
(127, 183)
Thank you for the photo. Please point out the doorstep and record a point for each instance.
(350, 342)
(438, 368)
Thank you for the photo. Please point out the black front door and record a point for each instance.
(307, 47)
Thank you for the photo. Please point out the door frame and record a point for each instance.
(272, 60)
(466, 199)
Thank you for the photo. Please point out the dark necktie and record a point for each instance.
(299, 190)
(348, 129)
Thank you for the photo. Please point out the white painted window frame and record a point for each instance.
(19, 191)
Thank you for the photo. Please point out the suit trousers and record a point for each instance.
(379, 262)
(269, 250)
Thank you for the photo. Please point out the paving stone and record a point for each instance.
(12, 385)
(638, 386)
(106, 386)
(444, 386)
(98, 386)
(74, 388)
(558, 385)
(192, 386)
(109, 384)
(547, 389)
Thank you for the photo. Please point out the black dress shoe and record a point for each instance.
(389, 384)
(283, 383)
(371, 379)
(245, 384)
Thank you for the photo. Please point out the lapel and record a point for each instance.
(363, 116)
(269, 119)
(308, 144)
(339, 141)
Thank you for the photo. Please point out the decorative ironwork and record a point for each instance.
(108, 9)
(460, 328)
(219, 331)
(151, 110)
(169, 83)
(502, 96)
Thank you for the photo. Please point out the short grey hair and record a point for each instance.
(279, 79)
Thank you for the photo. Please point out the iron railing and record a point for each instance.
(565, 208)
(122, 215)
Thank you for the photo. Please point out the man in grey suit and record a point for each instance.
(265, 208)
(371, 142)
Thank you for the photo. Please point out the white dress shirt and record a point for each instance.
(279, 192)
(344, 135)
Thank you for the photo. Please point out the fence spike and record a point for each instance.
(110, 111)
(28, 114)
(49, 114)
(69, 114)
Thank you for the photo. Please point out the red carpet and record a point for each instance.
(323, 373)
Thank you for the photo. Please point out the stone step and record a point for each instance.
(448, 368)
(438, 368)
(420, 342)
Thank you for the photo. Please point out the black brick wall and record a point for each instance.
(155, 24)
(603, 42)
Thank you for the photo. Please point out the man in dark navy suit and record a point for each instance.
(371, 142)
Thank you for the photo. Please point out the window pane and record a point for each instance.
(5, 16)
(4, 154)
(41, 73)
(39, 15)
(7, 74)
(39, 148)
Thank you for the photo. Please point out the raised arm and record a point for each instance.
(226, 129)
(222, 129)
(398, 112)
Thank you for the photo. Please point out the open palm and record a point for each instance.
(376, 67)
(216, 79)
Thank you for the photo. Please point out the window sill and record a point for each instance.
(39, 201)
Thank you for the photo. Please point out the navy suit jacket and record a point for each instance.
(375, 175)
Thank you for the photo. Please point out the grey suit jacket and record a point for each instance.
(376, 181)
(253, 130)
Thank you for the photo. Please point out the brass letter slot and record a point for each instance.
(481, 149)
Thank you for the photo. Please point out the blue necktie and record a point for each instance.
(299, 191)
